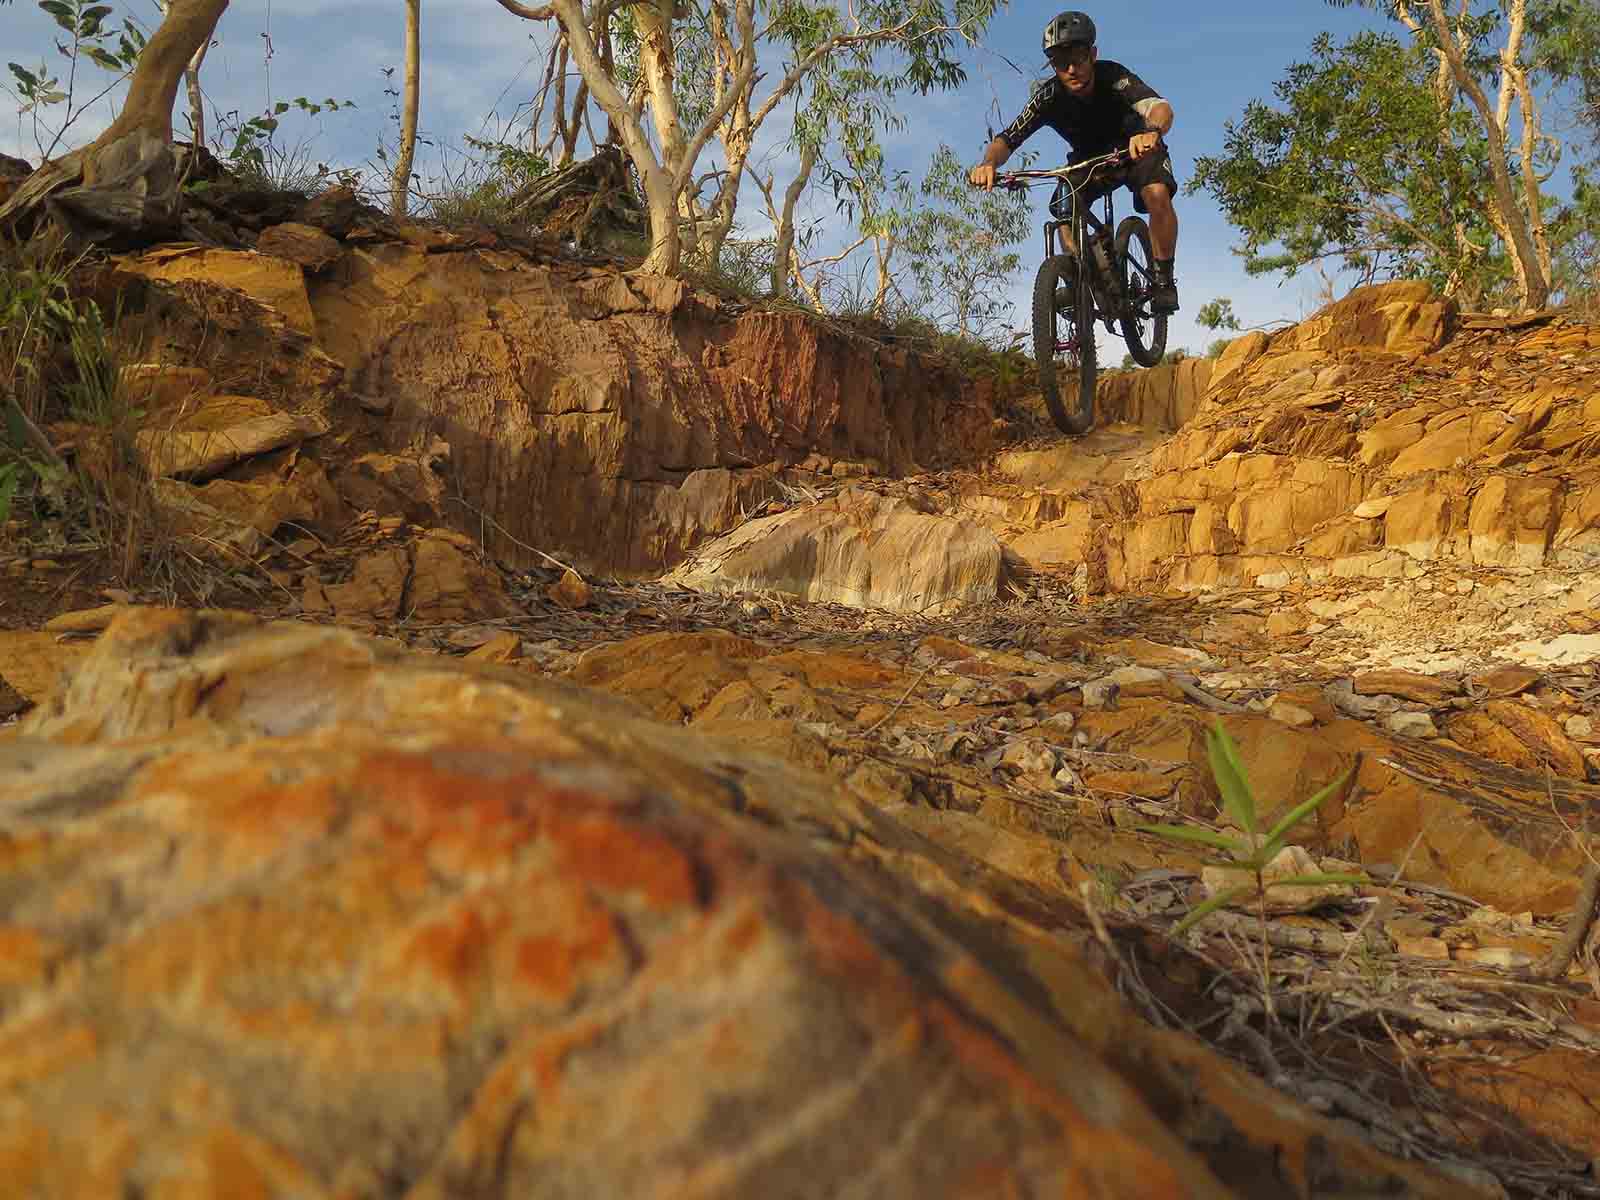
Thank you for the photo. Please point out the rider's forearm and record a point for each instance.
(997, 153)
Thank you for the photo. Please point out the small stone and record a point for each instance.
(1579, 728)
(1029, 757)
(1059, 723)
(1423, 947)
(1411, 724)
(1424, 689)
(754, 611)
(1291, 715)
(1100, 694)
(570, 591)
(1284, 622)
(1505, 682)
(1368, 509)
(502, 648)
(1464, 587)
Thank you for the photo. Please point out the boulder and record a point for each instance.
(860, 549)
(302, 915)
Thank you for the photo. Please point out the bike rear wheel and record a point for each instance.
(1063, 343)
(1143, 330)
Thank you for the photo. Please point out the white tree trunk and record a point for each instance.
(1514, 225)
(400, 182)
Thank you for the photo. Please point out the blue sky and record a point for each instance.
(1207, 59)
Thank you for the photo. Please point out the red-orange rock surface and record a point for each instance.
(289, 913)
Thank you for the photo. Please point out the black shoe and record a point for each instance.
(1164, 298)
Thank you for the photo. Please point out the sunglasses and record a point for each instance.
(1075, 56)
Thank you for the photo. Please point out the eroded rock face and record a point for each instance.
(289, 912)
(1369, 441)
(619, 421)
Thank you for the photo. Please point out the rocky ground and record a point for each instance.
(447, 855)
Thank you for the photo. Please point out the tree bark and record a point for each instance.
(783, 251)
(400, 184)
(1513, 223)
(187, 27)
(197, 101)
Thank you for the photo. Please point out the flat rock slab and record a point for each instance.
(860, 549)
(298, 914)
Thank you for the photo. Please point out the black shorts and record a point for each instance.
(1152, 168)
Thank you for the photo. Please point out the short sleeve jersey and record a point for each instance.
(1095, 124)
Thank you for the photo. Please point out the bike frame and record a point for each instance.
(1083, 223)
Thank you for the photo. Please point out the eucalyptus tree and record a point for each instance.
(805, 37)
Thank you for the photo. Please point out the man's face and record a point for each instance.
(1074, 67)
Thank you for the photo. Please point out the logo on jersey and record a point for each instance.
(1122, 84)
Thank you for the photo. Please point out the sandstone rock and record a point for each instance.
(1568, 649)
(621, 440)
(1286, 712)
(201, 455)
(1505, 682)
(450, 916)
(88, 620)
(1419, 521)
(448, 585)
(501, 648)
(373, 593)
(860, 549)
(570, 591)
(1512, 520)
(1411, 724)
(1238, 355)
(243, 511)
(33, 663)
(1518, 736)
(1458, 441)
(161, 387)
(1164, 397)
(305, 244)
(1146, 785)
(1027, 756)
(275, 282)
(1424, 689)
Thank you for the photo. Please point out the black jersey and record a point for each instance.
(1096, 124)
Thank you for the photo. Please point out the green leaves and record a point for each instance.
(1249, 853)
(1228, 771)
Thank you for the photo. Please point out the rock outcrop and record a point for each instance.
(615, 420)
(291, 913)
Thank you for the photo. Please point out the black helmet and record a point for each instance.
(1068, 29)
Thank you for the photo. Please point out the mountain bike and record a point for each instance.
(1114, 286)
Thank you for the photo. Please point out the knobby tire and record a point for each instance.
(1145, 332)
(1066, 378)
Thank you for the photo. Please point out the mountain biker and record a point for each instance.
(1098, 106)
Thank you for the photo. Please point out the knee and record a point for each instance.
(1157, 198)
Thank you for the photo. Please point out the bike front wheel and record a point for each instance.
(1143, 330)
(1063, 343)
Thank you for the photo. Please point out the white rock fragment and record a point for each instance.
(1411, 724)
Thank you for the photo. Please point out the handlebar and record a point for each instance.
(1021, 179)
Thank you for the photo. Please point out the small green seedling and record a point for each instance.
(1253, 851)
